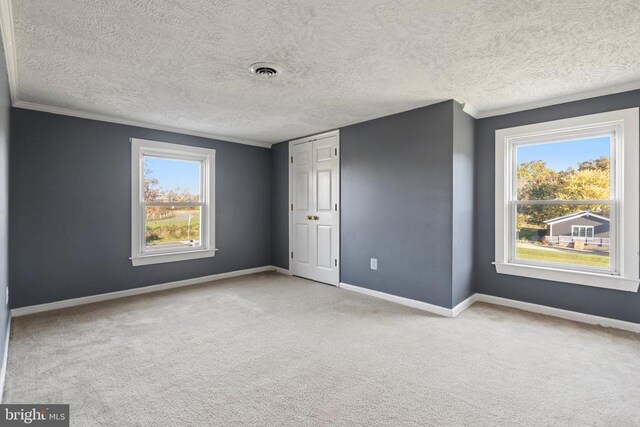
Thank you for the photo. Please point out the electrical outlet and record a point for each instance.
(374, 263)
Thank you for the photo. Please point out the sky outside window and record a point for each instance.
(174, 174)
(561, 155)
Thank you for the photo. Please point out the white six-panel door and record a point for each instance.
(314, 208)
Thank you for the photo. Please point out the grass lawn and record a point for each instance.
(562, 256)
(177, 221)
(174, 229)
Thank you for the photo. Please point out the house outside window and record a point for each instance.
(582, 231)
(585, 225)
(173, 206)
(567, 200)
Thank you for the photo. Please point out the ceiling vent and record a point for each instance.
(264, 69)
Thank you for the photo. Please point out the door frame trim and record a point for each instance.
(311, 138)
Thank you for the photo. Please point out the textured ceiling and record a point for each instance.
(184, 63)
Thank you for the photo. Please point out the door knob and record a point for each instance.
(309, 217)
(316, 217)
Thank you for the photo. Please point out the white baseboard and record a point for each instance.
(281, 270)
(5, 359)
(23, 311)
(464, 305)
(490, 299)
(431, 308)
(557, 312)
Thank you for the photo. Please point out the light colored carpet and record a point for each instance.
(269, 349)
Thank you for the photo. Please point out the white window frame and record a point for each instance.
(625, 227)
(586, 231)
(206, 156)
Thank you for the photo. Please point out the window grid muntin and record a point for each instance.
(577, 231)
(204, 202)
(587, 132)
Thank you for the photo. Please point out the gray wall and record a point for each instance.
(463, 232)
(5, 104)
(70, 209)
(279, 205)
(584, 299)
(397, 203)
(405, 201)
(396, 194)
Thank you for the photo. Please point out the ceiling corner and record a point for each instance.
(470, 110)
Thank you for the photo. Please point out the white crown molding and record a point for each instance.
(593, 93)
(470, 110)
(8, 40)
(8, 36)
(110, 119)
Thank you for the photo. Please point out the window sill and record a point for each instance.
(567, 276)
(171, 257)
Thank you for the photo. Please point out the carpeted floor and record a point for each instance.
(269, 349)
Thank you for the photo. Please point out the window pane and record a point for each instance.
(563, 234)
(566, 170)
(171, 180)
(172, 227)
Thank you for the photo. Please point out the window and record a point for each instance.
(567, 200)
(583, 231)
(172, 202)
